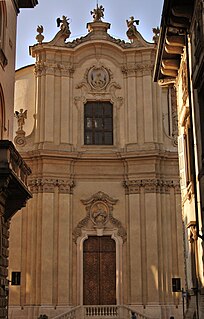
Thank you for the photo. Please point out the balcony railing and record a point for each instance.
(13, 179)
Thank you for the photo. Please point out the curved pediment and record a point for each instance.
(97, 31)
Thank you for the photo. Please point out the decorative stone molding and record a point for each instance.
(20, 139)
(48, 185)
(151, 186)
(50, 68)
(98, 80)
(107, 37)
(99, 216)
(138, 68)
(104, 90)
(193, 236)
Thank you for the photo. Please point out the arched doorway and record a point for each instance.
(99, 271)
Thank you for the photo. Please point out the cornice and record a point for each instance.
(109, 38)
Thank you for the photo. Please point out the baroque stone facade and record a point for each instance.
(104, 167)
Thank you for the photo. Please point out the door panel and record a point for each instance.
(99, 271)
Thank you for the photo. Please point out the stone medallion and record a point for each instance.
(98, 77)
(99, 213)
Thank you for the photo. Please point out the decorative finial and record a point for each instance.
(132, 30)
(98, 13)
(64, 25)
(155, 38)
(39, 37)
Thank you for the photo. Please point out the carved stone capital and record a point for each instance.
(137, 68)
(151, 186)
(48, 185)
(50, 68)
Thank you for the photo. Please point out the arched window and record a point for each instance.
(3, 24)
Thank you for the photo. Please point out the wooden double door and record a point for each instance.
(99, 271)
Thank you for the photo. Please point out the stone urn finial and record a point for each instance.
(39, 37)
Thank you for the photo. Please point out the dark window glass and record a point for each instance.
(98, 123)
(16, 278)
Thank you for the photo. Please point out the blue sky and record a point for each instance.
(116, 12)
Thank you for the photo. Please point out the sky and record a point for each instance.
(78, 11)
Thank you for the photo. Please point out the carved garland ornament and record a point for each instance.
(99, 216)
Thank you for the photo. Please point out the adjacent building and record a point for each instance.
(13, 170)
(180, 64)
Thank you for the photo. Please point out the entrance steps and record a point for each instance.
(102, 312)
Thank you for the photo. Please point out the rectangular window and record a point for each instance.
(16, 278)
(98, 123)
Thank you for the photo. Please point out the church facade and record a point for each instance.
(102, 235)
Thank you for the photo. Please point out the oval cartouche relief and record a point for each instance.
(98, 77)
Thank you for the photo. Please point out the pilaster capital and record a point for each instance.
(151, 186)
(48, 185)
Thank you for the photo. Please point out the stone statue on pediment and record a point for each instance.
(131, 32)
(98, 13)
(64, 24)
(156, 32)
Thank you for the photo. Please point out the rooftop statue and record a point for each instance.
(64, 25)
(98, 13)
(156, 32)
(131, 32)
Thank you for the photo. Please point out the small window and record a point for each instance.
(16, 278)
(98, 123)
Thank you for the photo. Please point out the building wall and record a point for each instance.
(7, 69)
(136, 179)
(185, 69)
(13, 170)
